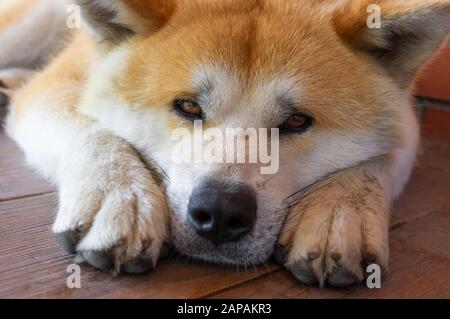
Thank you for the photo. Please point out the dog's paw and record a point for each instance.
(113, 215)
(334, 243)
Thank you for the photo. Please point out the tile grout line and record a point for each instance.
(237, 285)
(423, 101)
(422, 250)
(5, 200)
(400, 224)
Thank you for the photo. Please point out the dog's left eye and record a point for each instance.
(297, 123)
(189, 108)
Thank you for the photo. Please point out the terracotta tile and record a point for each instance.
(25, 232)
(279, 285)
(429, 188)
(430, 233)
(171, 279)
(412, 274)
(436, 123)
(434, 79)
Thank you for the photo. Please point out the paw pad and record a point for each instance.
(341, 278)
(138, 265)
(68, 241)
(103, 260)
(303, 273)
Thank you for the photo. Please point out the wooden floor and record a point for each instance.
(32, 264)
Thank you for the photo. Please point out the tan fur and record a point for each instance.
(64, 79)
(409, 19)
(257, 54)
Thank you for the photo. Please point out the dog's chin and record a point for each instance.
(241, 253)
(218, 259)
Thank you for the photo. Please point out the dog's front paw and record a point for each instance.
(337, 234)
(113, 215)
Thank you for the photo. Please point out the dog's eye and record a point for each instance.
(297, 123)
(189, 108)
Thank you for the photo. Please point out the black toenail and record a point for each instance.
(341, 278)
(99, 259)
(68, 241)
(303, 273)
(138, 265)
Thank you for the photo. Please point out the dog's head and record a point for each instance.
(327, 74)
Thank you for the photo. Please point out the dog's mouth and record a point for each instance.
(221, 260)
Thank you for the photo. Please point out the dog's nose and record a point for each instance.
(222, 212)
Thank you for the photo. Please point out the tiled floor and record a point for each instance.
(436, 121)
(32, 264)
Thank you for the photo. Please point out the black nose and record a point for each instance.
(221, 211)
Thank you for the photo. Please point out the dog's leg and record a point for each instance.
(112, 210)
(341, 224)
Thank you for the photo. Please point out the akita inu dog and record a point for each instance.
(97, 120)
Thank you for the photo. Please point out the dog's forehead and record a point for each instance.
(231, 52)
(218, 87)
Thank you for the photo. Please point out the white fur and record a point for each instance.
(403, 158)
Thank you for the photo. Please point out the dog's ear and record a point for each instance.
(408, 32)
(112, 21)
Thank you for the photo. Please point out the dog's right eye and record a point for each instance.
(189, 108)
(297, 123)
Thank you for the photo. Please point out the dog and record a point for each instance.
(97, 113)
